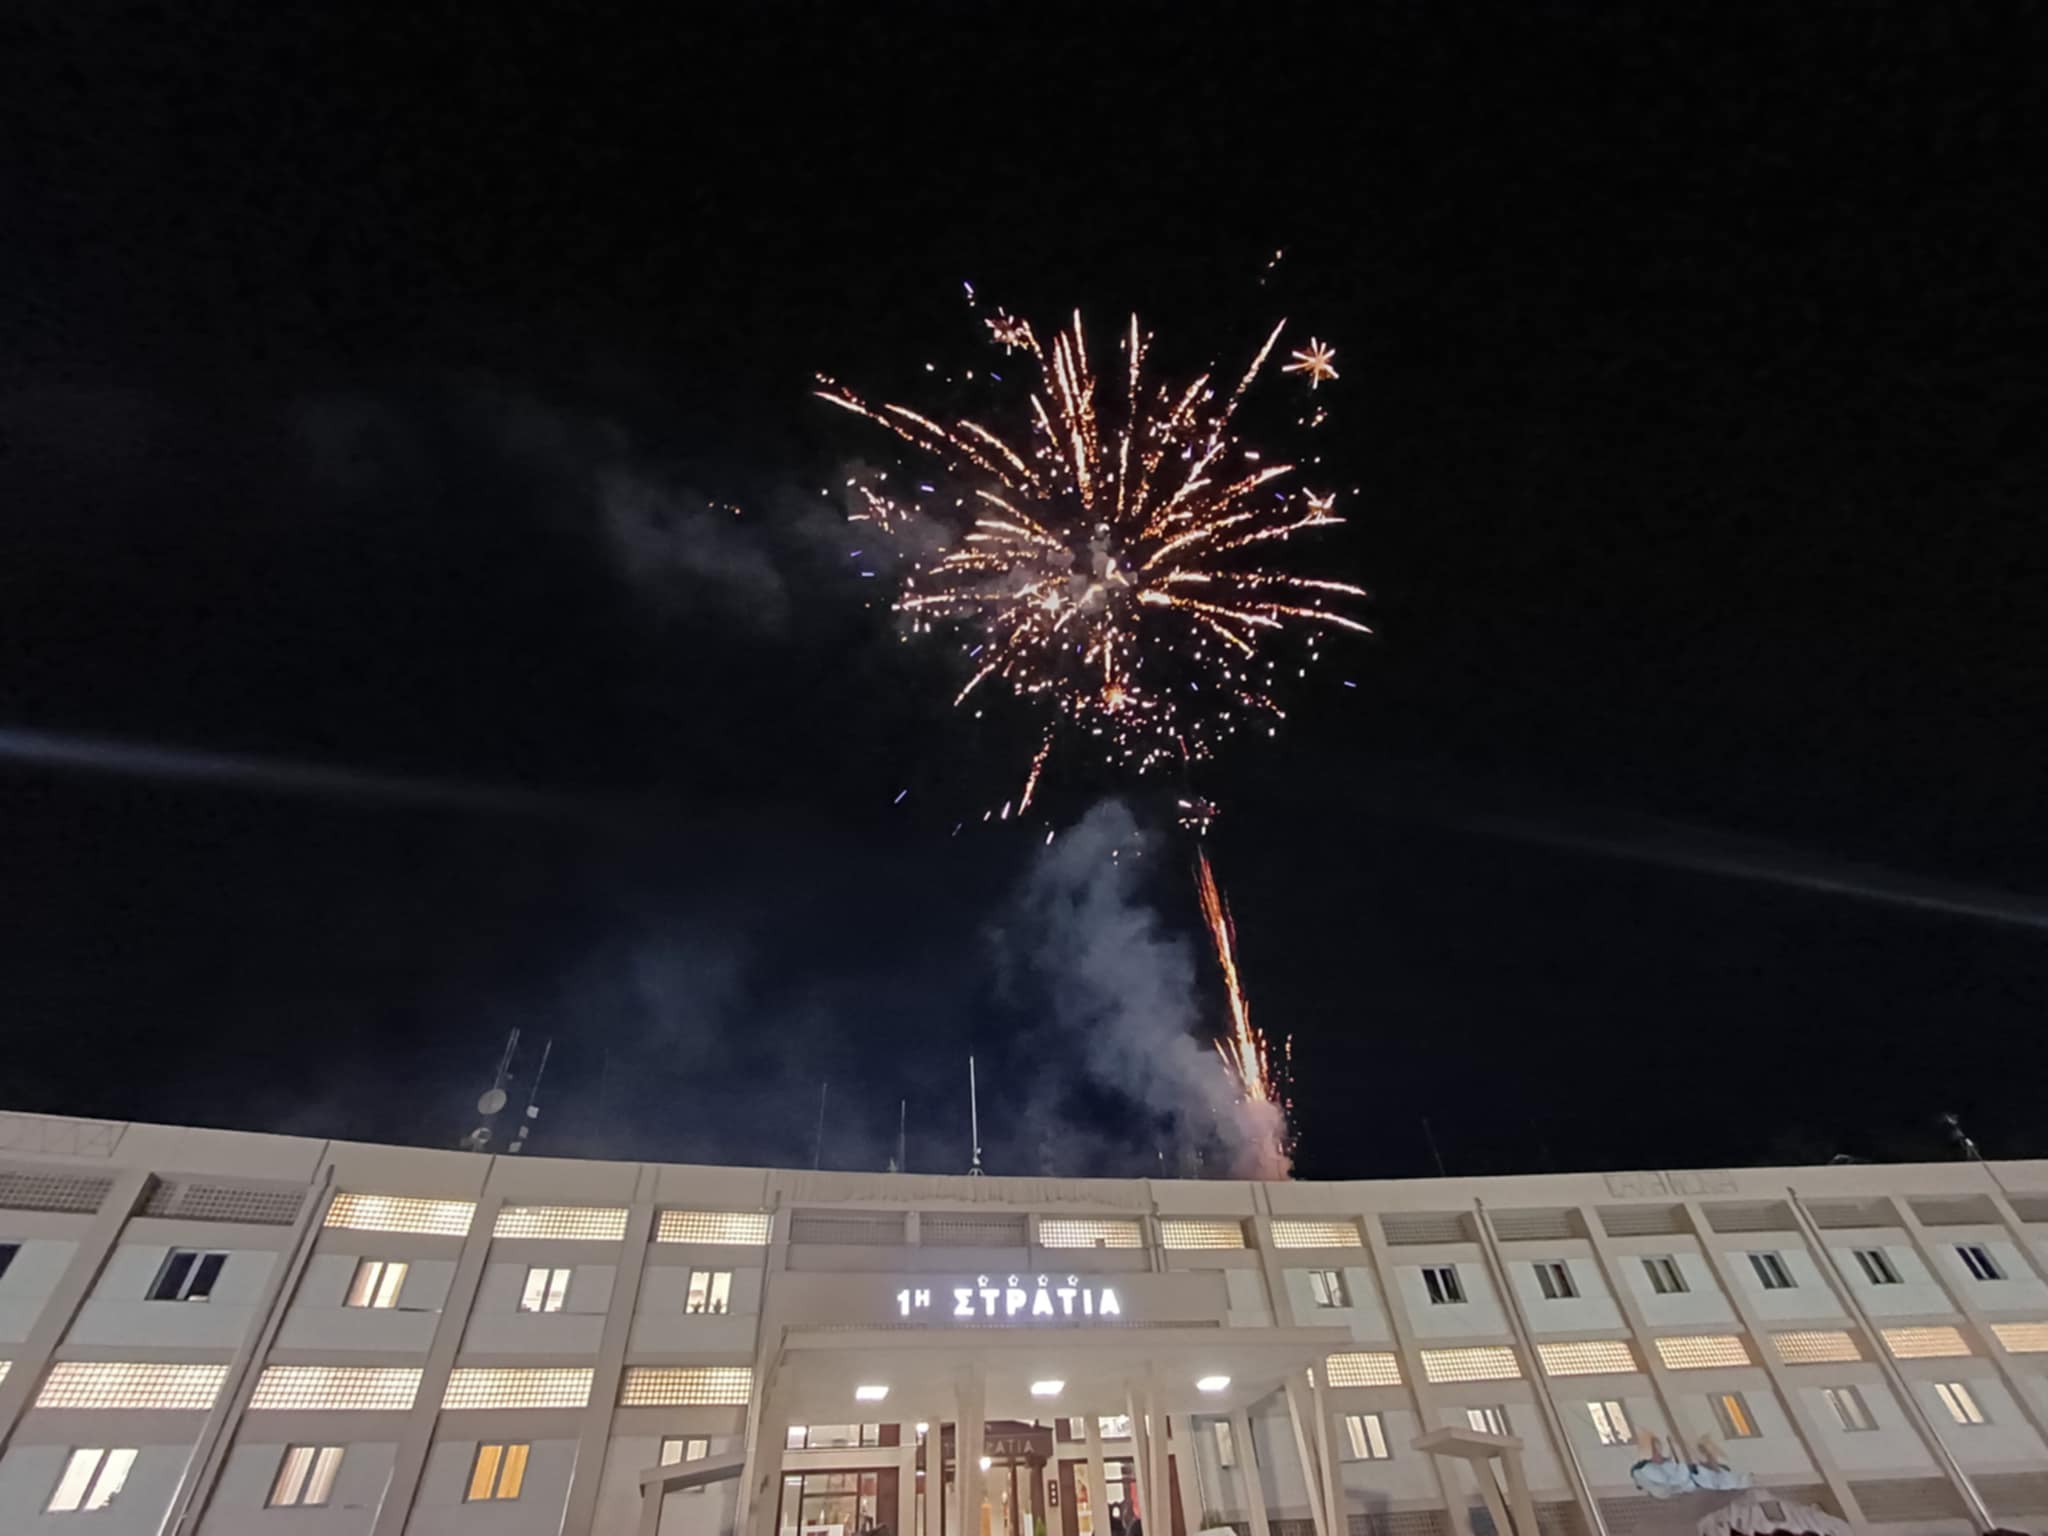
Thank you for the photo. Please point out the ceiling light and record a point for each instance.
(987, 1462)
(923, 1428)
(1046, 1388)
(1211, 1383)
(869, 1394)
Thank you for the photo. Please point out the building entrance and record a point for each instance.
(1014, 1458)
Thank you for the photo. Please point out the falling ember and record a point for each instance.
(1108, 566)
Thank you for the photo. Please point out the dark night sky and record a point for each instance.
(1692, 382)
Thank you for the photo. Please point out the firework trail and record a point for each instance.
(1106, 567)
(1245, 1053)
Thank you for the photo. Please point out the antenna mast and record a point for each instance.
(525, 1130)
(818, 1146)
(492, 1099)
(974, 1118)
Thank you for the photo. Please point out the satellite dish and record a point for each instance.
(492, 1101)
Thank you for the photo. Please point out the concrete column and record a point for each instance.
(1610, 1262)
(96, 1245)
(1187, 1470)
(1299, 1414)
(906, 1479)
(593, 1435)
(1959, 1296)
(1162, 1479)
(1575, 1474)
(416, 1439)
(1333, 1483)
(1098, 1478)
(1412, 1374)
(1248, 1473)
(188, 1509)
(761, 1472)
(969, 1438)
(1057, 1518)
(1141, 1450)
(1795, 1405)
(1915, 1412)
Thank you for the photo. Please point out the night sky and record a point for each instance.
(373, 390)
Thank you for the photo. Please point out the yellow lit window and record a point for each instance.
(499, 1472)
(120, 1384)
(369, 1387)
(1816, 1346)
(1315, 1234)
(710, 1291)
(1925, 1343)
(1484, 1362)
(518, 1387)
(401, 1213)
(1191, 1232)
(686, 1386)
(92, 1477)
(1701, 1351)
(1079, 1232)
(1731, 1412)
(546, 1290)
(305, 1476)
(2018, 1339)
(1960, 1403)
(1586, 1357)
(735, 1228)
(589, 1223)
(1363, 1368)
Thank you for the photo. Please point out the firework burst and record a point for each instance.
(1107, 564)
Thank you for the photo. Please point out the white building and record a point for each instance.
(209, 1333)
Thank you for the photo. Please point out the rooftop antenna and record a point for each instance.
(900, 1161)
(493, 1099)
(1961, 1138)
(818, 1146)
(532, 1100)
(974, 1119)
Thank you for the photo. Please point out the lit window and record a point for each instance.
(187, 1275)
(1978, 1261)
(1443, 1285)
(374, 1387)
(2022, 1338)
(1771, 1272)
(1481, 1362)
(376, 1284)
(1556, 1282)
(1610, 1422)
(1731, 1412)
(1365, 1437)
(1114, 1426)
(1226, 1445)
(743, 1229)
(399, 1213)
(710, 1291)
(1850, 1411)
(1587, 1357)
(686, 1386)
(518, 1387)
(1957, 1399)
(1933, 1342)
(1082, 1232)
(498, 1472)
(1488, 1421)
(7, 1253)
(1192, 1232)
(584, 1223)
(305, 1476)
(831, 1437)
(1699, 1351)
(1877, 1266)
(1816, 1346)
(546, 1290)
(1363, 1369)
(1327, 1287)
(124, 1384)
(92, 1479)
(1665, 1278)
(677, 1451)
(1315, 1234)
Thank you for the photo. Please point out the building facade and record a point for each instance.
(212, 1333)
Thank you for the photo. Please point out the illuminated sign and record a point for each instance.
(1011, 1299)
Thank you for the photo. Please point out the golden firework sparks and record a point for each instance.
(1244, 1051)
(1105, 568)
(1317, 360)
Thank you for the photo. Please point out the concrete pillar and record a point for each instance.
(96, 1245)
(1300, 1414)
(416, 1439)
(1333, 1483)
(1249, 1479)
(1410, 1353)
(1141, 1451)
(1162, 1480)
(1187, 1470)
(594, 1434)
(1058, 1520)
(761, 1473)
(1098, 1478)
(1754, 1326)
(969, 1438)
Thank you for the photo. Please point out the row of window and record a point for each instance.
(94, 1476)
(452, 1218)
(377, 1283)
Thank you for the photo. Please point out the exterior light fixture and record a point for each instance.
(869, 1394)
(1047, 1388)
(1211, 1383)
(923, 1429)
(987, 1462)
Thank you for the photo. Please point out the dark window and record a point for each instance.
(187, 1276)
(7, 1253)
